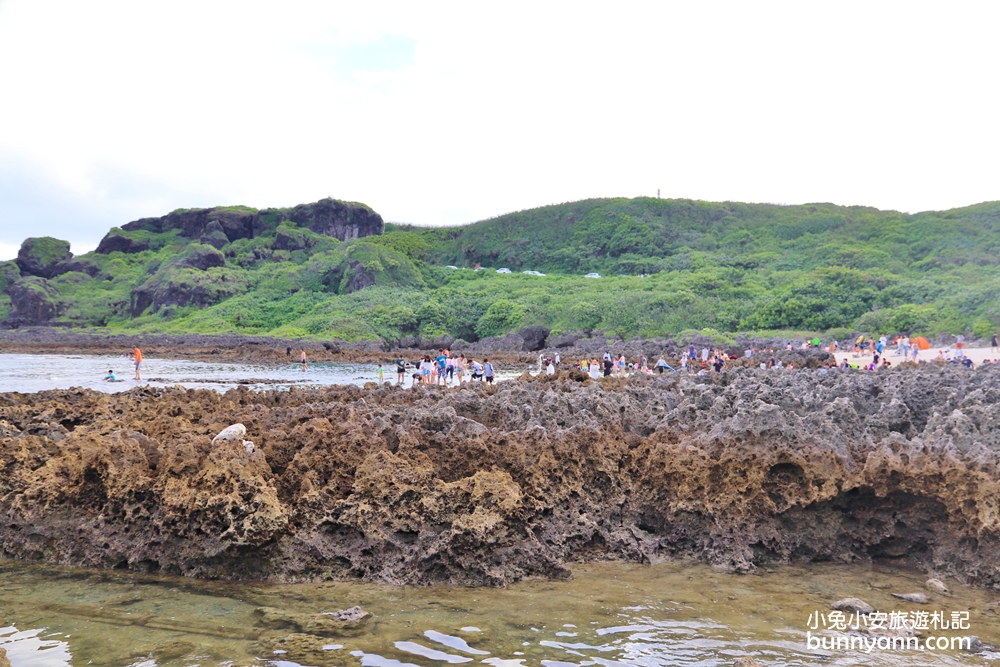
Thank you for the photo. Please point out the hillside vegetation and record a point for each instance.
(668, 267)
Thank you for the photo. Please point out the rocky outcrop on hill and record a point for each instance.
(116, 241)
(201, 257)
(9, 274)
(179, 287)
(33, 301)
(86, 266)
(40, 256)
(221, 225)
(487, 485)
(341, 220)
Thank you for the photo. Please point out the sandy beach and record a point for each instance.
(977, 354)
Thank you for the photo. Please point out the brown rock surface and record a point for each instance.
(490, 485)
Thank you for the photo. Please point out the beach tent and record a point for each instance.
(922, 343)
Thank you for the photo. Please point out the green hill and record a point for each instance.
(667, 266)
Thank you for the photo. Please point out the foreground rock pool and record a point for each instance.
(609, 615)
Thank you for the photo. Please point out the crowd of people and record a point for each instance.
(444, 370)
(910, 349)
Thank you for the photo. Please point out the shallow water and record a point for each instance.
(608, 615)
(37, 372)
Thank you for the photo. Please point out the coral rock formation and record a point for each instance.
(488, 485)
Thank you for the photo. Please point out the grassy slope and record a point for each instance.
(723, 266)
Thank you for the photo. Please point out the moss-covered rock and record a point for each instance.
(289, 238)
(39, 256)
(9, 274)
(361, 264)
(201, 257)
(214, 235)
(329, 217)
(186, 287)
(78, 265)
(120, 241)
(33, 300)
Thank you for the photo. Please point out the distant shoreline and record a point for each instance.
(214, 347)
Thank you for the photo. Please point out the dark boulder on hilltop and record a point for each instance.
(40, 256)
(116, 241)
(341, 220)
(34, 300)
(236, 222)
(221, 225)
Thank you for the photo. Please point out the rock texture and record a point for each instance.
(341, 220)
(201, 257)
(40, 256)
(490, 485)
(115, 241)
(221, 225)
(33, 301)
(10, 273)
(186, 285)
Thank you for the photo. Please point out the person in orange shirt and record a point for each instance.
(138, 361)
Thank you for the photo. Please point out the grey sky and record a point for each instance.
(449, 113)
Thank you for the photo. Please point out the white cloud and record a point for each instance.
(8, 251)
(446, 113)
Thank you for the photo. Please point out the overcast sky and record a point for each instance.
(437, 113)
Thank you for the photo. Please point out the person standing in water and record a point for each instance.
(303, 358)
(138, 361)
(400, 370)
(994, 344)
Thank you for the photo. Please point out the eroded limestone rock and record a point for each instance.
(488, 485)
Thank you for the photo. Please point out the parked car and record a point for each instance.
(503, 270)
(593, 275)
(451, 267)
(533, 273)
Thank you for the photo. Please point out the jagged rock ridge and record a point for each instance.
(488, 486)
(220, 225)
